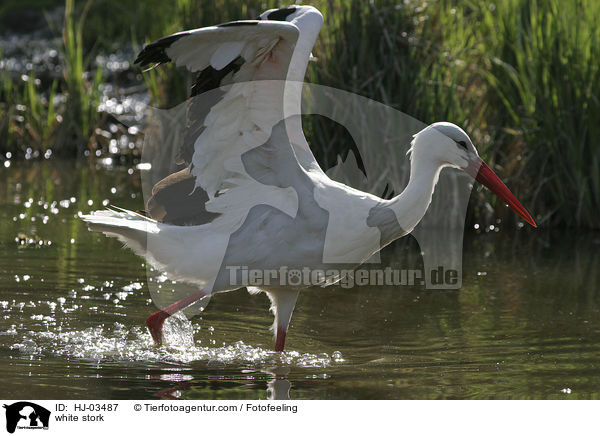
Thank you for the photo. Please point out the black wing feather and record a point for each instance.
(154, 53)
(281, 14)
(239, 23)
(207, 80)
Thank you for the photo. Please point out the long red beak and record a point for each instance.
(484, 175)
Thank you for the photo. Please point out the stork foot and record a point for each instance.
(156, 321)
(155, 324)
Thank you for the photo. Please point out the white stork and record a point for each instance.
(253, 194)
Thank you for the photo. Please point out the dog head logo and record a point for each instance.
(26, 415)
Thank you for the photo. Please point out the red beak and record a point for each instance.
(484, 175)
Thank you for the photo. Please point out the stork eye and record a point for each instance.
(463, 144)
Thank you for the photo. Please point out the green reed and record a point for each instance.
(397, 54)
(81, 86)
(30, 117)
(521, 76)
(543, 80)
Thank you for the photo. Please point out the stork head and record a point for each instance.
(445, 144)
(307, 18)
(291, 13)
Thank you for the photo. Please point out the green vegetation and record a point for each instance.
(543, 73)
(30, 118)
(80, 113)
(521, 76)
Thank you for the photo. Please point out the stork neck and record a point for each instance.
(301, 54)
(295, 78)
(292, 107)
(410, 206)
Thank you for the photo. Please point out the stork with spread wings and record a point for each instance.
(252, 195)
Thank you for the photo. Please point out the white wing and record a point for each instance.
(249, 61)
(217, 46)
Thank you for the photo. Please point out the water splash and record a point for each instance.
(117, 343)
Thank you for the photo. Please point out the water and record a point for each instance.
(73, 304)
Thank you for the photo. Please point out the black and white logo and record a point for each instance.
(26, 415)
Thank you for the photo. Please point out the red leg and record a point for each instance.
(156, 321)
(155, 325)
(280, 341)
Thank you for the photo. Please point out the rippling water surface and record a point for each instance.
(73, 304)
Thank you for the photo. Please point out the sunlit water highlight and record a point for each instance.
(117, 343)
(73, 304)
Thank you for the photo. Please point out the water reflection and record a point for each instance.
(73, 305)
(278, 386)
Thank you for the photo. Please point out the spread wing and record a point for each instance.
(248, 62)
(217, 54)
(217, 46)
